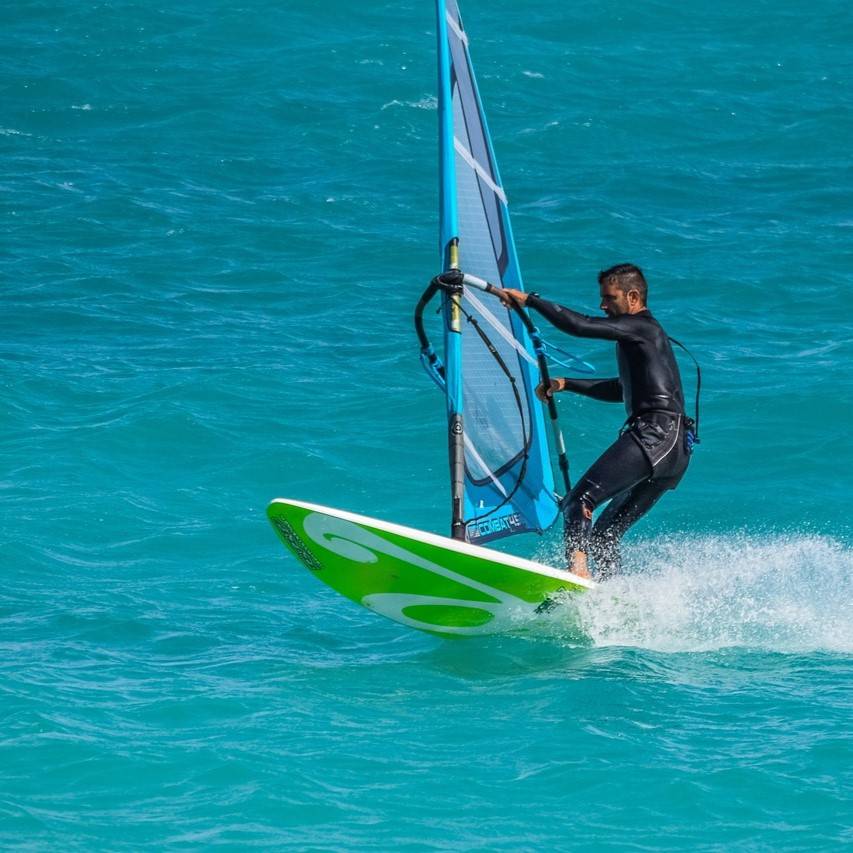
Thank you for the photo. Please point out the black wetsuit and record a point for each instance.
(650, 455)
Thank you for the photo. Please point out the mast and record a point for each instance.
(449, 241)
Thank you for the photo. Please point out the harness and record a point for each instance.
(692, 424)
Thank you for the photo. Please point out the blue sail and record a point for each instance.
(508, 483)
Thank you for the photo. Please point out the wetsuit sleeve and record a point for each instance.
(580, 325)
(606, 390)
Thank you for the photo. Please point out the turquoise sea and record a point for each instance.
(216, 220)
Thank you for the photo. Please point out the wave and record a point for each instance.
(785, 593)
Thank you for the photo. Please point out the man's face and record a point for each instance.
(613, 301)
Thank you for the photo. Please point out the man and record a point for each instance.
(651, 453)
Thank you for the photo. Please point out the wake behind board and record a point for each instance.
(422, 580)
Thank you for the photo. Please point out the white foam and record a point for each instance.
(780, 593)
(428, 102)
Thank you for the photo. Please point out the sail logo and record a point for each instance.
(511, 523)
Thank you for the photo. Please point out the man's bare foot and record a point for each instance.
(579, 565)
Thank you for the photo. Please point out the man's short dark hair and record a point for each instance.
(626, 277)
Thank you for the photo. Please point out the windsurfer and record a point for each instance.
(652, 451)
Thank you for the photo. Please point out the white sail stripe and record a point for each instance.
(500, 329)
(468, 157)
(460, 34)
(469, 445)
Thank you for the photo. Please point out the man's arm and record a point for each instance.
(579, 325)
(606, 390)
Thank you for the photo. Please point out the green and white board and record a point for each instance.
(429, 582)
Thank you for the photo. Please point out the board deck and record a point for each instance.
(418, 579)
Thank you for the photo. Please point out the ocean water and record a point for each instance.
(216, 220)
